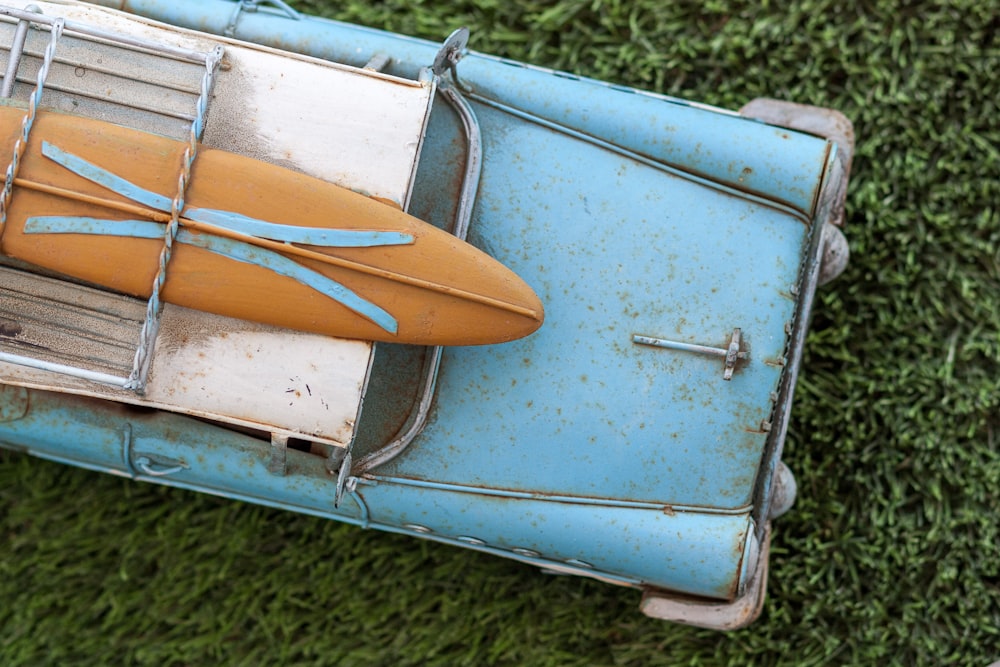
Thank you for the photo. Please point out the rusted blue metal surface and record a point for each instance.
(636, 437)
(616, 247)
(759, 159)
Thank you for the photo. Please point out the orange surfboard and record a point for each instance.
(92, 200)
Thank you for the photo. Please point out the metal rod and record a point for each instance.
(90, 31)
(16, 49)
(675, 345)
(93, 376)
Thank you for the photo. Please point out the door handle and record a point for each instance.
(148, 467)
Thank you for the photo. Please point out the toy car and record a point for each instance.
(161, 318)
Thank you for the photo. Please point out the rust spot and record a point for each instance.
(763, 428)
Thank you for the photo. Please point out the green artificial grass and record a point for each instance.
(891, 555)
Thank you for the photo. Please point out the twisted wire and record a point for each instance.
(55, 32)
(154, 307)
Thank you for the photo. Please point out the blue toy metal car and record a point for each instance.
(635, 438)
